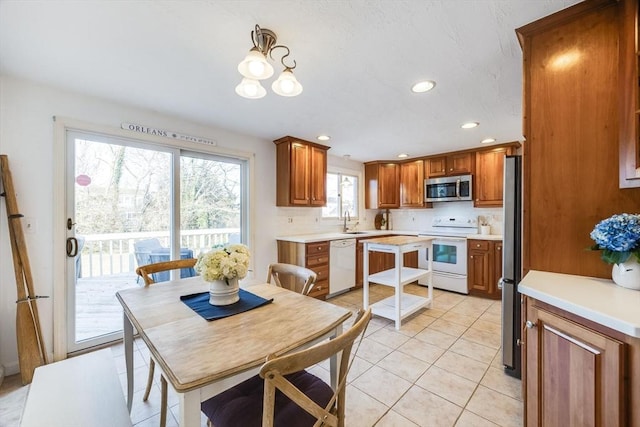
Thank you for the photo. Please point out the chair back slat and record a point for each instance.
(292, 277)
(274, 370)
(146, 271)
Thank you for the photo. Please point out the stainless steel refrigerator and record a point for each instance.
(512, 266)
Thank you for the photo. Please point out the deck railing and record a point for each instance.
(114, 253)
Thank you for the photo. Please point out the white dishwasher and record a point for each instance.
(342, 265)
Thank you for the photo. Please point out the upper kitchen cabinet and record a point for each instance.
(301, 172)
(382, 185)
(452, 164)
(412, 184)
(629, 95)
(488, 179)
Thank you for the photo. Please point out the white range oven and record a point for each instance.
(449, 252)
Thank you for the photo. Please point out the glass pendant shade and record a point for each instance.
(255, 66)
(287, 85)
(249, 88)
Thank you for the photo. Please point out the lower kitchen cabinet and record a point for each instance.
(577, 372)
(484, 267)
(314, 256)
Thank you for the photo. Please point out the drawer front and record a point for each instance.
(322, 271)
(482, 245)
(320, 289)
(318, 259)
(317, 248)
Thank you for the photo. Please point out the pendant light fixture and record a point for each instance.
(255, 67)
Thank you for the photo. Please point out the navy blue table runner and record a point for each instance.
(200, 304)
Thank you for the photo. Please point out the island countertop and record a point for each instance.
(398, 240)
(598, 300)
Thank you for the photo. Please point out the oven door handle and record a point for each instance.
(449, 239)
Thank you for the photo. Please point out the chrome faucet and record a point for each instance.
(347, 217)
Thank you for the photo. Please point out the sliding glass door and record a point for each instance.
(131, 203)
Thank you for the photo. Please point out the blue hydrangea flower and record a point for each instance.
(618, 237)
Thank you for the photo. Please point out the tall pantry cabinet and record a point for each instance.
(571, 182)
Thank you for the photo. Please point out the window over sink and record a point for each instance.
(342, 196)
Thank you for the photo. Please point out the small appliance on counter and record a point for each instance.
(450, 251)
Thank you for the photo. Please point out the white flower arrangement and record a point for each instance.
(229, 262)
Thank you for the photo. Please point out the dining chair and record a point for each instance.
(284, 394)
(293, 277)
(146, 272)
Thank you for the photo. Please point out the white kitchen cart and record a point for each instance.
(400, 305)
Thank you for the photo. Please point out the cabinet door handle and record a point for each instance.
(477, 245)
(471, 256)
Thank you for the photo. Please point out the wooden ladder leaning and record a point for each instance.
(31, 350)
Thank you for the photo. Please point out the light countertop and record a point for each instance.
(598, 300)
(319, 237)
(485, 236)
(399, 240)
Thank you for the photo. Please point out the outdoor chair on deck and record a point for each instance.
(284, 394)
(146, 272)
(142, 250)
(292, 277)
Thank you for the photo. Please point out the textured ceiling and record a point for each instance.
(356, 61)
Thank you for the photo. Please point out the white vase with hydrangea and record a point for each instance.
(223, 268)
(619, 239)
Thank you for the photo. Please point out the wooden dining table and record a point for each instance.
(201, 358)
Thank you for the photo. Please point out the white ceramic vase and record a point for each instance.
(627, 274)
(221, 293)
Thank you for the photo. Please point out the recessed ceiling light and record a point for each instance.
(423, 86)
(488, 140)
(469, 125)
(403, 155)
(324, 137)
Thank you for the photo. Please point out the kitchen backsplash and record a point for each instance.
(292, 221)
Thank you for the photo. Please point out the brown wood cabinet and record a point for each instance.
(301, 172)
(571, 151)
(412, 184)
(484, 267)
(451, 164)
(629, 94)
(575, 371)
(314, 256)
(489, 177)
(382, 185)
(379, 261)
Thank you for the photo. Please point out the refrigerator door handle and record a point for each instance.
(500, 283)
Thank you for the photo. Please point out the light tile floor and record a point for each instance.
(443, 368)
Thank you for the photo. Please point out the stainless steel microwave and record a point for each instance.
(448, 189)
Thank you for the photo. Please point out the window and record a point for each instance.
(342, 195)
